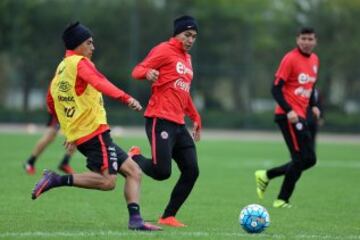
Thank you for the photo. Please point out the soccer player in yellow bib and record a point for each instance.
(75, 97)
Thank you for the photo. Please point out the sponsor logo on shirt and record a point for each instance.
(66, 98)
(61, 70)
(182, 85)
(301, 91)
(304, 78)
(182, 69)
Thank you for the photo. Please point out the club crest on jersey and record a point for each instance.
(164, 135)
(299, 126)
(64, 86)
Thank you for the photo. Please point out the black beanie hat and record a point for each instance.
(75, 34)
(184, 23)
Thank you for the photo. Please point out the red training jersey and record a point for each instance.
(170, 93)
(300, 74)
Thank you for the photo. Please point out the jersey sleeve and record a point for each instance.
(50, 102)
(191, 111)
(154, 60)
(278, 95)
(88, 73)
(284, 70)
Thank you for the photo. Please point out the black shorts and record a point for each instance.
(102, 153)
(52, 122)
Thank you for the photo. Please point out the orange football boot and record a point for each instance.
(171, 221)
(134, 150)
(66, 168)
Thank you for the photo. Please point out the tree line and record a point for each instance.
(238, 49)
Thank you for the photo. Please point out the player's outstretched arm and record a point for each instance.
(134, 104)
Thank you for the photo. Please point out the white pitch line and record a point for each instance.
(47, 235)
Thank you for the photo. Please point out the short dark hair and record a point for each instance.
(306, 30)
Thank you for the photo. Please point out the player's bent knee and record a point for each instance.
(108, 184)
(130, 169)
(49, 137)
(196, 174)
(311, 162)
(135, 173)
(191, 175)
(162, 175)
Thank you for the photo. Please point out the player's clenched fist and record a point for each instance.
(152, 75)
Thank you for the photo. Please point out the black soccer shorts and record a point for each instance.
(102, 153)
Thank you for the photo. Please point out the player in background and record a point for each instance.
(46, 139)
(76, 99)
(292, 91)
(168, 69)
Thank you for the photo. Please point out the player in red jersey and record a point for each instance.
(168, 68)
(47, 138)
(292, 91)
(45, 141)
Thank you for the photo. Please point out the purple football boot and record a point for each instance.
(49, 180)
(136, 223)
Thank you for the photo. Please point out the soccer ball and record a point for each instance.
(254, 218)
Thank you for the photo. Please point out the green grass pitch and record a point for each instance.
(326, 200)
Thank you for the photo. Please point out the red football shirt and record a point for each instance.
(300, 74)
(170, 93)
